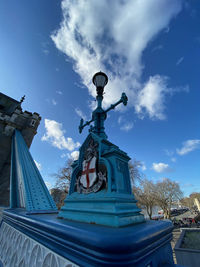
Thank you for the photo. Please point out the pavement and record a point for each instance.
(177, 230)
(176, 234)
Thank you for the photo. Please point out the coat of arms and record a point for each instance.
(91, 178)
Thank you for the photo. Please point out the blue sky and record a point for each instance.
(50, 50)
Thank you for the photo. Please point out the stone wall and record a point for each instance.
(12, 117)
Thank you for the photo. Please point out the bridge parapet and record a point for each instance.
(56, 242)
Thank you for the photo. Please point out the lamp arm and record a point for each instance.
(123, 99)
(81, 126)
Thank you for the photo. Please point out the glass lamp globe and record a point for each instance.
(100, 79)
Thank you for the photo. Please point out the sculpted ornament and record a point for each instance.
(92, 178)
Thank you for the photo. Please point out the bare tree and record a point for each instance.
(195, 195)
(145, 194)
(58, 196)
(135, 173)
(188, 202)
(63, 176)
(167, 192)
(60, 191)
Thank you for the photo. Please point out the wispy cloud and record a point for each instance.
(161, 167)
(143, 166)
(46, 51)
(59, 92)
(157, 48)
(80, 113)
(179, 89)
(45, 47)
(51, 101)
(94, 35)
(173, 159)
(54, 102)
(120, 119)
(188, 146)
(187, 185)
(127, 126)
(55, 136)
(179, 61)
(64, 155)
(169, 152)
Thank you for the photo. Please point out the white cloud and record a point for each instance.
(45, 47)
(46, 51)
(157, 48)
(64, 155)
(173, 159)
(179, 61)
(54, 102)
(39, 166)
(188, 146)
(161, 167)
(80, 113)
(127, 126)
(94, 35)
(120, 119)
(59, 92)
(143, 166)
(55, 136)
(168, 152)
(74, 155)
(151, 98)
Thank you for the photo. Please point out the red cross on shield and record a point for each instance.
(88, 175)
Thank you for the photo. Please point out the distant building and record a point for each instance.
(12, 117)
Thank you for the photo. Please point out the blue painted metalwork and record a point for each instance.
(112, 202)
(93, 245)
(99, 115)
(28, 189)
(114, 205)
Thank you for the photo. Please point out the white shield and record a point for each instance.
(88, 176)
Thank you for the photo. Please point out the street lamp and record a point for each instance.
(99, 115)
(100, 80)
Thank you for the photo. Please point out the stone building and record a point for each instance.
(13, 117)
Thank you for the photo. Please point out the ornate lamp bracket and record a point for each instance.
(99, 114)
